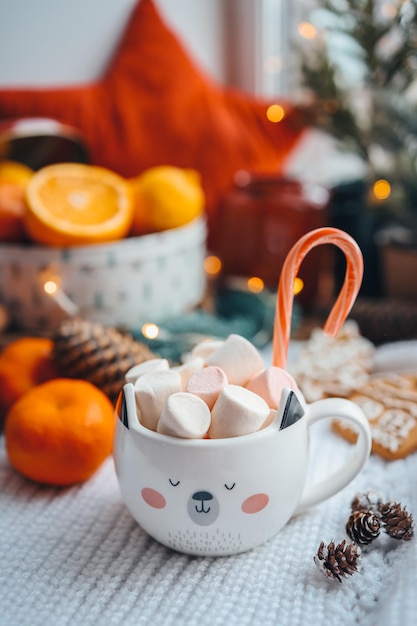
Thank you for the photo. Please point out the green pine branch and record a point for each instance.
(387, 49)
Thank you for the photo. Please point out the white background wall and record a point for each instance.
(45, 42)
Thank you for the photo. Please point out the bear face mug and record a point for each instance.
(216, 497)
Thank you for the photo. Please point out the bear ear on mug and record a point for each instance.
(121, 408)
(292, 409)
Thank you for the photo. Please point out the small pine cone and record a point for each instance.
(363, 526)
(369, 501)
(102, 355)
(397, 522)
(338, 561)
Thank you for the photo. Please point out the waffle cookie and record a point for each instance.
(333, 366)
(390, 404)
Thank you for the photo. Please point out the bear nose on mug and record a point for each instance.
(203, 508)
(202, 496)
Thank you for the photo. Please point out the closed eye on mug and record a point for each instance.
(229, 488)
(174, 484)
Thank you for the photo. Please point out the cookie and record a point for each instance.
(333, 366)
(390, 404)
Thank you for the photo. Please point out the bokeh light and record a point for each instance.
(150, 330)
(298, 285)
(275, 113)
(307, 30)
(212, 265)
(381, 189)
(50, 287)
(255, 284)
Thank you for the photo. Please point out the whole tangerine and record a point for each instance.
(24, 363)
(60, 432)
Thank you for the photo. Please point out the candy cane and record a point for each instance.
(285, 295)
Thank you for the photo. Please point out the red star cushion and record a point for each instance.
(155, 106)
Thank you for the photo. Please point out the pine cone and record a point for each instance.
(369, 501)
(102, 355)
(363, 526)
(398, 523)
(338, 561)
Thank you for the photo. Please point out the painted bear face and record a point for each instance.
(201, 516)
(210, 497)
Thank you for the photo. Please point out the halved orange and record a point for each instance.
(73, 204)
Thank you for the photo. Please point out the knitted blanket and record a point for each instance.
(75, 556)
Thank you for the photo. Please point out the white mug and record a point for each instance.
(214, 497)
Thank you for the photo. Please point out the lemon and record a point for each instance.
(14, 178)
(15, 173)
(166, 197)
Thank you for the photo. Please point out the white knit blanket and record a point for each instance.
(75, 556)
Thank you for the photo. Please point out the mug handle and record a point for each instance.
(347, 410)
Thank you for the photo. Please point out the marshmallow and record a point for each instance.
(152, 391)
(269, 385)
(207, 384)
(238, 358)
(188, 368)
(206, 347)
(184, 415)
(153, 365)
(270, 419)
(237, 412)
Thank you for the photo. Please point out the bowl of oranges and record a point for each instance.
(80, 239)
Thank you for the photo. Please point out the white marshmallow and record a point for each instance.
(153, 365)
(237, 412)
(188, 368)
(184, 415)
(207, 384)
(206, 347)
(238, 358)
(271, 417)
(152, 391)
(269, 385)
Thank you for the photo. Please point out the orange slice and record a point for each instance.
(73, 204)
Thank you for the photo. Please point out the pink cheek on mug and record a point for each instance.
(255, 503)
(153, 498)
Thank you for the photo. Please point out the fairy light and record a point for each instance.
(255, 284)
(52, 288)
(298, 285)
(381, 189)
(307, 30)
(212, 265)
(275, 113)
(150, 330)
